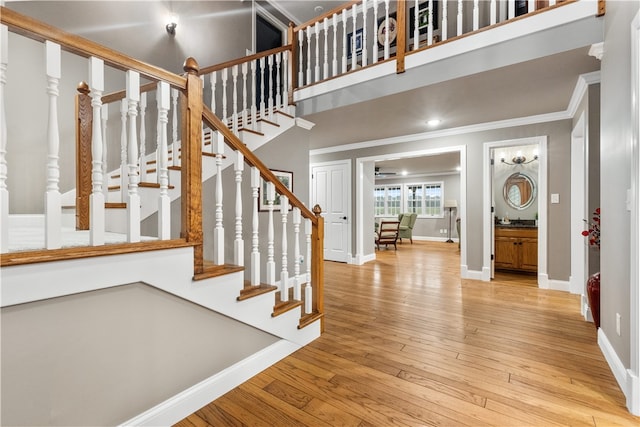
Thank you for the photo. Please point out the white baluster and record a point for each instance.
(445, 20)
(345, 18)
(104, 116)
(459, 17)
(476, 15)
(308, 32)
(430, 24)
(214, 80)
(238, 244)
(53, 202)
(325, 64)
(295, 219)
(262, 86)
(175, 149)
(386, 33)
(531, 6)
(354, 55)
(284, 273)
(364, 33)
(278, 60)
(164, 202)
(552, 2)
(374, 36)
(416, 22)
(271, 264)
(308, 294)
(511, 10)
(270, 98)
(234, 117)
(285, 81)
(218, 232)
(255, 231)
(4, 193)
(317, 75)
(133, 201)
(225, 78)
(493, 12)
(254, 99)
(124, 106)
(143, 138)
(334, 62)
(245, 69)
(300, 58)
(97, 198)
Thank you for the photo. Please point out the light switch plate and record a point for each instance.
(555, 198)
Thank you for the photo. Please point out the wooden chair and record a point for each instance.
(387, 233)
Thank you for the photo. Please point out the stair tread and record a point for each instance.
(282, 307)
(255, 132)
(308, 319)
(269, 121)
(211, 270)
(115, 205)
(252, 291)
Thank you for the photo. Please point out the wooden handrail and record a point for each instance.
(229, 64)
(39, 31)
(215, 123)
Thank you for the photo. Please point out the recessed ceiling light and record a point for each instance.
(404, 173)
(433, 122)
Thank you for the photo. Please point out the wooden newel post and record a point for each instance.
(191, 163)
(84, 122)
(317, 265)
(402, 36)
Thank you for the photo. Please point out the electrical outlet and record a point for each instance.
(618, 318)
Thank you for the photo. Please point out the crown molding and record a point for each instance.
(597, 50)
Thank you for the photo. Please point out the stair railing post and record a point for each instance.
(234, 100)
(123, 149)
(245, 69)
(292, 38)
(278, 65)
(97, 199)
(270, 77)
(364, 33)
(238, 244)
(308, 294)
(284, 273)
(164, 202)
(104, 116)
(53, 199)
(254, 96)
(271, 265)
(218, 232)
(133, 199)
(191, 176)
(142, 161)
(83, 156)
(4, 193)
(345, 18)
(175, 147)
(255, 251)
(295, 220)
(317, 267)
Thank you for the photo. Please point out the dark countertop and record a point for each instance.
(517, 224)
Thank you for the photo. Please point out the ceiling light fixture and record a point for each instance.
(172, 24)
(519, 159)
(433, 122)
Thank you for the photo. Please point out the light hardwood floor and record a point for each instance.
(408, 343)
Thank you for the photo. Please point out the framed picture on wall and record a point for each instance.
(284, 177)
(354, 45)
(423, 19)
(391, 27)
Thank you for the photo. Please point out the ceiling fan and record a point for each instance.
(379, 174)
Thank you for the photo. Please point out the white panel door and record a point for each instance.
(331, 189)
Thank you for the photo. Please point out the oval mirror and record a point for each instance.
(519, 191)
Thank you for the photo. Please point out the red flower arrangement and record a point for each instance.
(594, 229)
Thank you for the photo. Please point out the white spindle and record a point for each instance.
(214, 80)
(374, 36)
(234, 117)
(459, 17)
(53, 202)
(143, 138)
(133, 201)
(284, 273)
(4, 193)
(97, 198)
(245, 69)
(270, 77)
(354, 56)
(175, 149)
(225, 78)
(364, 33)
(308, 294)
(262, 87)
(416, 29)
(295, 219)
(345, 17)
(325, 64)
(254, 99)
(511, 10)
(271, 264)
(278, 60)
(476, 15)
(218, 232)
(164, 202)
(493, 12)
(316, 57)
(445, 20)
(301, 58)
(334, 62)
(308, 32)
(104, 116)
(386, 33)
(285, 81)
(430, 24)
(238, 244)
(531, 6)
(124, 106)
(255, 231)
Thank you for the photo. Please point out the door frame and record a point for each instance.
(487, 217)
(349, 225)
(360, 257)
(579, 190)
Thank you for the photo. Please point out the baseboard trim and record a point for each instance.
(187, 402)
(361, 259)
(623, 377)
(465, 273)
(543, 281)
(433, 239)
(559, 285)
